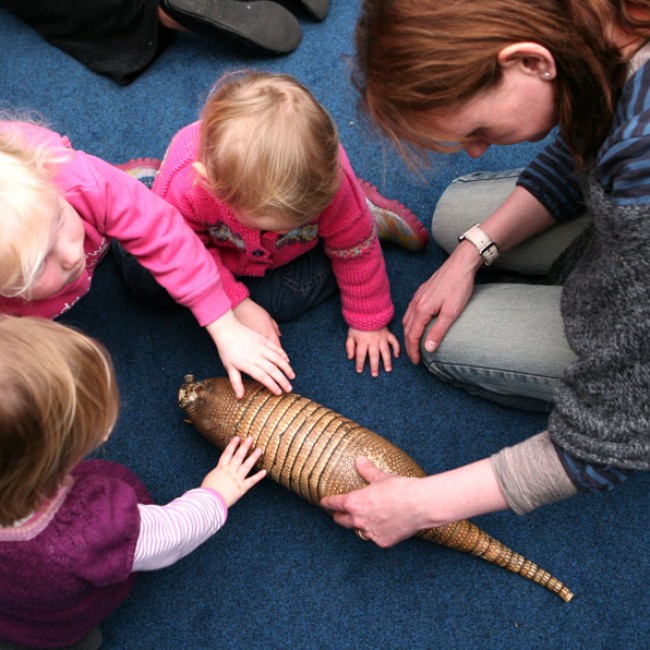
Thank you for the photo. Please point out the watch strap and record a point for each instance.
(486, 248)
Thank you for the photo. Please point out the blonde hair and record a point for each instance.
(268, 147)
(416, 57)
(59, 402)
(27, 197)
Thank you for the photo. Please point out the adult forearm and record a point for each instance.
(460, 493)
(518, 218)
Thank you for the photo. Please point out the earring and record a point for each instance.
(547, 74)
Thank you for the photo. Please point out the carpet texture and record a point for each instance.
(281, 574)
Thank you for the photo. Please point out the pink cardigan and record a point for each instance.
(346, 227)
(112, 204)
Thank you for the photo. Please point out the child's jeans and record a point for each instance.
(508, 345)
(292, 289)
(285, 292)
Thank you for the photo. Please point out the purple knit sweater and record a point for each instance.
(59, 580)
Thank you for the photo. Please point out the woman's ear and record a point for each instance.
(532, 58)
(199, 168)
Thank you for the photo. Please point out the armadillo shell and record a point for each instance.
(312, 451)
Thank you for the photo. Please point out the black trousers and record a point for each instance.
(116, 38)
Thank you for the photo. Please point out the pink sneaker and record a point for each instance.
(395, 223)
(142, 169)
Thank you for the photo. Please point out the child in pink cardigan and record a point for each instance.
(60, 209)
(264, 182)
(74, 532)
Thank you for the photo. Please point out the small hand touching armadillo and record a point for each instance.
(312, 451)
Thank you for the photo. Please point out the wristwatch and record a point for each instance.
(486, 248)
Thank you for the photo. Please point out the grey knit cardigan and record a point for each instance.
(602, 409)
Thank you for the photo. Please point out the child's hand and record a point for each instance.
(243, 350)
(230, 477)
(360, 345)
(252, 315)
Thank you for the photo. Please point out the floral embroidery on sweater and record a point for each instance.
(354, 251)
(222, 232)
(303, 234)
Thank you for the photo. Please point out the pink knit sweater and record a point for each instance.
(346, 227)
(112, 204)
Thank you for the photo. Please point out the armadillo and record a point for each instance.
(312, 450)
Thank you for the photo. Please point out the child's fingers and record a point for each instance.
(227, 453)
(386, 353)
(363, 352)
(394, 343)
(243, 451)
(350, 347)
(249, 463)
(254, 479)
(238, 457)
(272, 377)
(386, 359)
(277, 349)
(236, 382)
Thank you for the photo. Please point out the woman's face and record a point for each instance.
(521, 108)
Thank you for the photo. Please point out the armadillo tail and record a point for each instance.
(466, 537)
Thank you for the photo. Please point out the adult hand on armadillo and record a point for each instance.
(391, 508)
(384, 511)
(230, 478)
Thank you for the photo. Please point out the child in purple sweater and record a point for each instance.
(74, 532)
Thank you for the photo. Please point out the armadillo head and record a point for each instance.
(210, 406)
(189, 391)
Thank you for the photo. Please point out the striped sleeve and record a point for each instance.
(169, 533)
(623, 161)
(551, 178)
(624, 158)
(589, 477)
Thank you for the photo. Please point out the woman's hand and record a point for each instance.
(444, 296)
(241, 349)
(382, 510)
(252, 315)
(391, 508)
(374, 345)
(230, 478)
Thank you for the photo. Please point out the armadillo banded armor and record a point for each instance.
(312, 451)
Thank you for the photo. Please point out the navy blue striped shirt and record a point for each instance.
(623, 162)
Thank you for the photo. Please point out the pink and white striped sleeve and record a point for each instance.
(169, 533)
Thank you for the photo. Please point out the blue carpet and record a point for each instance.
(281, 574)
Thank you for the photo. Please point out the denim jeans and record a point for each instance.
(292, 289)
(508, 345)
(285, 292)
(139, 281)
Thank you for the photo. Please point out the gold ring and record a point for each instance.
(360, 534)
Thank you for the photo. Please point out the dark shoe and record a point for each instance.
(317, 8)
(260, 25)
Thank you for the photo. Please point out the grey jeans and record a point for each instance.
(508, 345)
